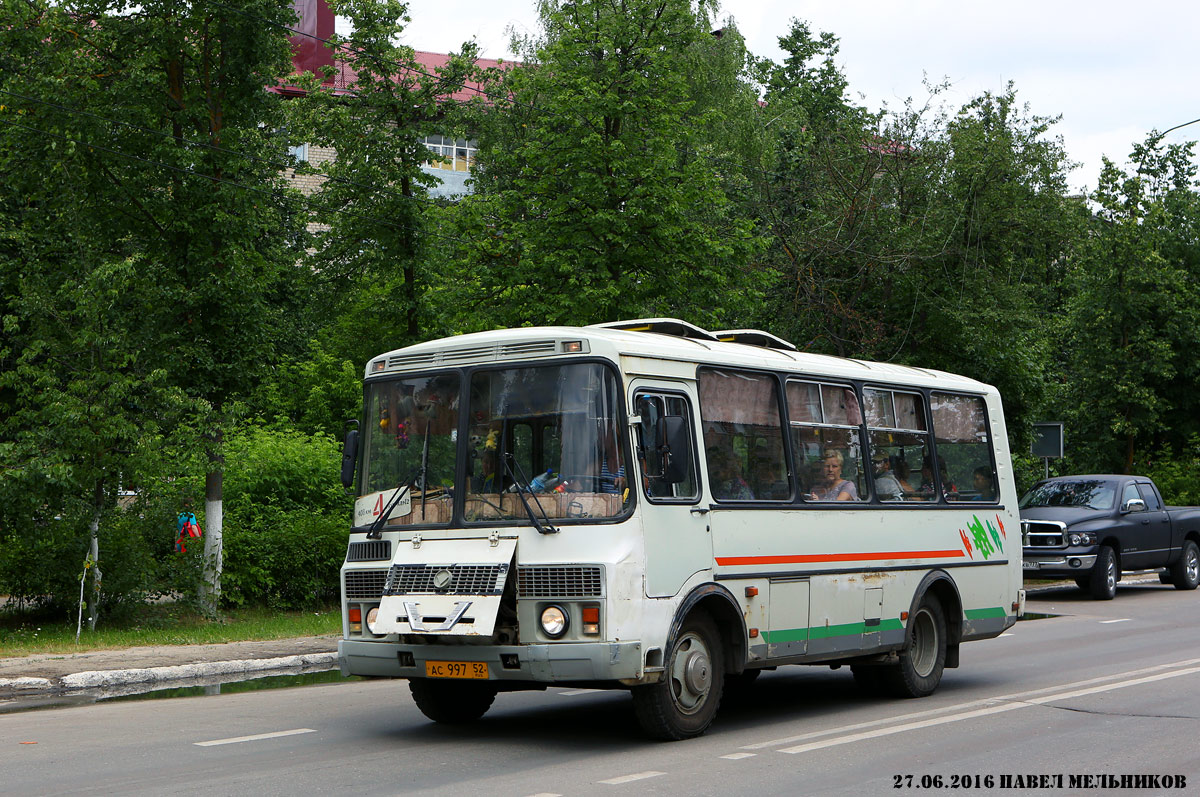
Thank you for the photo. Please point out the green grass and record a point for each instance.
(25, 633)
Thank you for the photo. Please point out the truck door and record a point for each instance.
(1158, 529)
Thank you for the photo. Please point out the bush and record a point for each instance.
(283, 559)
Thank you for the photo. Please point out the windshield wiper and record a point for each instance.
(523, 490)
(375, 531)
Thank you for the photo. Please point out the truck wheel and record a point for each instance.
(1186, 572)
(924, 656)
(1103, 584)
(684, 703)
(452, 702)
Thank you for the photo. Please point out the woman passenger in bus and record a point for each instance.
(831, 485)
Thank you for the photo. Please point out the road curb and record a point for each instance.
(102, 679)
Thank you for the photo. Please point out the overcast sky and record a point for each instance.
(1112, 70)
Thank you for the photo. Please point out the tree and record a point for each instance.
(1133, 314)
(597, 196)
(152, 129)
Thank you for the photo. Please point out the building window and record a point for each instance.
(299, 153)
(453, 154)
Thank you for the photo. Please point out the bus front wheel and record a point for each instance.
(684, 703)
(452, 702)
(923, 658)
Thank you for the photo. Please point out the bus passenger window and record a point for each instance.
(967, 472)
(825, 423)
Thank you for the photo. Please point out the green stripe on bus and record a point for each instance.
(828, 631)
(985, 614)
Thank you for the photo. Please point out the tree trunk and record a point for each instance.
(210, 589)
(94, 556)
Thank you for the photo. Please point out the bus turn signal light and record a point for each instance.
(591, 620)
(355, 616)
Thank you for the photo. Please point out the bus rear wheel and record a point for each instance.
(452, 702)
(923, 658)
(684, 703)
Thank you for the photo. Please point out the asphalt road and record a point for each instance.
(1105, 690)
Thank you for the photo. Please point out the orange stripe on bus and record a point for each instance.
(797, 559)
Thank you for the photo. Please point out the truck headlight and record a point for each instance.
(1082, 538)
(554, 621)
(372, 617)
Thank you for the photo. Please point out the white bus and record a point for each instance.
(650, 506)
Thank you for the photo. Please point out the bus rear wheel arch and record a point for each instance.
(922, 660)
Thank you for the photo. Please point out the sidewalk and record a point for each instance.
(143, 669)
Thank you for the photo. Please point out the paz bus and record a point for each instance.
(650, 506)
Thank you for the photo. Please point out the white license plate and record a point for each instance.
(1029, 565)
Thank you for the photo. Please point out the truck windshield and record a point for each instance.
(1089, 493)
(553, 428)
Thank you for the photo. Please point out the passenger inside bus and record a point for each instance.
(984, 487)
(725, 475)
(831, 485)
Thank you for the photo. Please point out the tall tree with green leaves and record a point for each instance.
(1133, 314)
(158, 114)
(598, 195)
(371, 251)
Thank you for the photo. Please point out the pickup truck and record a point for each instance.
(1092, 528)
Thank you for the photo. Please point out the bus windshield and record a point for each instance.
(554, 429)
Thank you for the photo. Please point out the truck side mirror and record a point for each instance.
(1134, 505)
(349, 457)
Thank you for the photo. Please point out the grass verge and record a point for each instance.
(25, 633)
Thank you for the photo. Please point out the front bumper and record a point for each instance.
(562, 662)
(1057, 563)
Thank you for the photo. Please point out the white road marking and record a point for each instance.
(254, 738)
(995, 709)
(632, 778)
(570, 692)
(1122, 620)
(546, 794)
(1005, 634)
(970, 704)
(738, 756)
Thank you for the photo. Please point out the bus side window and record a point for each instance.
(964, 451)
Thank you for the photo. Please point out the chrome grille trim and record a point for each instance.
(369, 551)
(1043, 534)
(365, 585)
(465, 579)
(560, 581)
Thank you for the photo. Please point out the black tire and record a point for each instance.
(452, 702)
(1102, 585)
(869, 679)
(684, 703)
(1185, 573)
(923, 658)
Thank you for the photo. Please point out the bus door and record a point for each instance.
(674, 526)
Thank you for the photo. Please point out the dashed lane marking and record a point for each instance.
(1122, 620)
(738, 756)
(631, 778)
(256, 737)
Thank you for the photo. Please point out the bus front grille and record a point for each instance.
(369, 551)
(365, 585)
(569, 581)
(459, 579)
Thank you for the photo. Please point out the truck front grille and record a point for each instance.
(369, 551)
(1043, 534)
(567, 581)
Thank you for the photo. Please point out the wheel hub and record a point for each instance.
(696, 673)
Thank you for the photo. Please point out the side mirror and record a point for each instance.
(349, 458)
(1134, 505)
(671, 435)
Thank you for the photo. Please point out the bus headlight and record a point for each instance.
(554, 621)
(372, 616)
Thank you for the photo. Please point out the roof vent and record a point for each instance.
(661, 326)
(754, 337)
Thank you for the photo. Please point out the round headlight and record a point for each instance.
(1076, 539)
(554, 621)
(372, 616)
